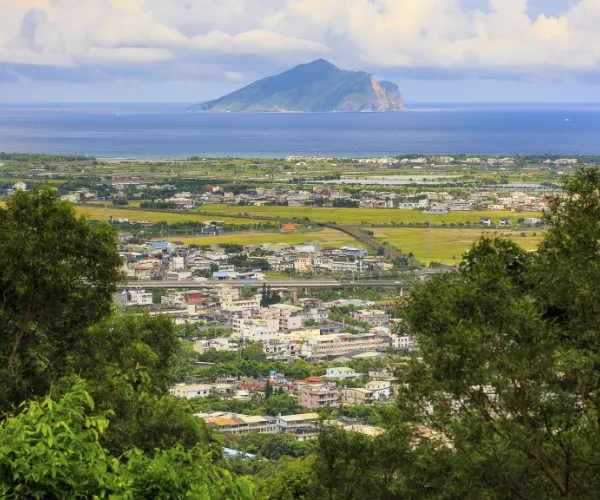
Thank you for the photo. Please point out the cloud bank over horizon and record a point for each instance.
(210, 47)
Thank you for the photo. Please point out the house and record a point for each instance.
(505, 221)
(212, 228)
(301, 426)
(357, 396)
(318, 396)
(532, 221)
(191, 391)
(289, 228)
(485, 221)
(381, 389)
(340, 372)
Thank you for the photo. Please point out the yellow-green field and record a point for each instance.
(98, 212)
(447, 245)
(368, 215)
(328, 237)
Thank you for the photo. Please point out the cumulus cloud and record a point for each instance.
(448, 38)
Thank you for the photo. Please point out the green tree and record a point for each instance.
(510, 359)
(132, 365)
(52, 450)
(58, 276)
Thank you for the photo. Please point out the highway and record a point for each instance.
(147, 284)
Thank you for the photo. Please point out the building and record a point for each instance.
(191, 391)
(178, 276)
(133, 298)
(230, 298)
(236, 423)
(286, 352)
(357, 396)
(381, 389)
(333, 345)
(301, 426)
(289, 228)
(212, 228)
(403, 342)
(318, 396)
(532, 221)
(340, 372)
(505, 221)
(357, 252)
(375, 317)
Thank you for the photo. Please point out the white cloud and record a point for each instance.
(500, 39)
(234, 76)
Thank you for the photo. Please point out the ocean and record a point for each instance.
(168, 131)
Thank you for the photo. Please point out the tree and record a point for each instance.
(510, 359)
(132, 364)
(268, 389)
(52, 450)
(295, 481)
(58, 276)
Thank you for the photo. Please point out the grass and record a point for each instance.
(447, 245)
(327, 237)
(100, 213)
(368, 215)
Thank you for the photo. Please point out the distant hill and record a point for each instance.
(318, 86)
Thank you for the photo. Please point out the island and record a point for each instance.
(318, 86)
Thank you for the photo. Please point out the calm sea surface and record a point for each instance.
(167, 130)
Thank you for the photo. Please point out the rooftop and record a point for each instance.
(296, 418)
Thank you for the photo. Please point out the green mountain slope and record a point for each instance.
(318, 86)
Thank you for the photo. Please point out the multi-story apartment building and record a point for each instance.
(333, 345)
(287, 352)
(357, 396)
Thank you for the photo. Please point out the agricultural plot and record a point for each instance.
(447, 245)
(99, 212)
(327, 237)
(364, 215)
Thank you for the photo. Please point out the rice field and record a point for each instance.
(327, 237)
(364, 215)
(448, 245)
(100, 212)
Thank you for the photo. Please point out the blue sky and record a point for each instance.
(194, 50)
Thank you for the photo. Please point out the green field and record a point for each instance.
(99, 212)
(447, 245)
(366, 215)
(327, 237)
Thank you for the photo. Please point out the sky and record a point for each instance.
(196, 50)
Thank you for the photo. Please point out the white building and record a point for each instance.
(381, 389)
(133, 298)
(340, 372)
(191, 391)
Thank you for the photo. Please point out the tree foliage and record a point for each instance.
(52, 450)
(510, 358)
(57, 276)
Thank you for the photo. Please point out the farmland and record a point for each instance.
(363, 215)
(327, 237)
(99, 212)
(447, 245)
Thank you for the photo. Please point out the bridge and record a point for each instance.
(289, 284)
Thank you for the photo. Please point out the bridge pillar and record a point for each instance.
(400, 291)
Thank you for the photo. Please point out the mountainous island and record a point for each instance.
(318, 86)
